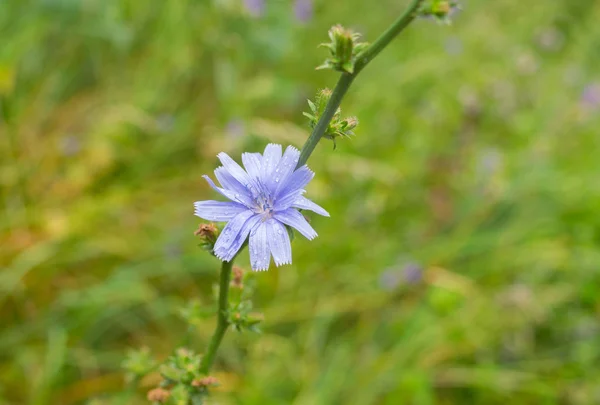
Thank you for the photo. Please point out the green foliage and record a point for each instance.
(338, 126)
(138, 363)
(343, 49)
(477, 159)
(241, 314)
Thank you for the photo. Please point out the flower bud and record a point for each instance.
(205, 381)
(158, 395)
(237, 277)
(343, 49)
(441, 10)
(338, 126)
(208, 234)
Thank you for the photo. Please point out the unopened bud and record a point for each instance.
(350, 123)
(440, 10)
(343, 48)
(205, 381)
(238, 277)
(208, 234)
(342, 38)
(158, 395)
(443, 7)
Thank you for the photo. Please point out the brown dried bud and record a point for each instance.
(158, 395)
(208, 234)
(207, 231)
(205, 382)
(238, 276)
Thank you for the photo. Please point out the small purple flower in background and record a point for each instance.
(303, 10)
(551, 39)
(392, 278)
(413, 273)
(590, 97)
(264, 198)
(70, 145)
(256, 8)
(235, 128)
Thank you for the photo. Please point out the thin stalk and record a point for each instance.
(222, 322)
(346, 79)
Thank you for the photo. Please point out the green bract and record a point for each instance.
(338, 126)
(343, 48)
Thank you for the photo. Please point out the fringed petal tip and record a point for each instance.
(283, 263)
(222, 256)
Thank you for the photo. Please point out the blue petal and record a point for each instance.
(283, 203)
(304, 203)
(299, 179)
(234, 169)
(260, 256)
(230, 183)
(279, 242)
(294, 219)
(295, 182)
(232, 195)
(234, 235)
(270, 161)
(252, 163)
(217, 210)
(284, 169)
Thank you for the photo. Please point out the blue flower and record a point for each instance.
(303, 10)
(255, 7)
(264, 198)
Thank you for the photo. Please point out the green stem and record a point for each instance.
(222, 322)
(343, 84)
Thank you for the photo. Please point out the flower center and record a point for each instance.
(264, 207)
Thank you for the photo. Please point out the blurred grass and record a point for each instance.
(476, 160)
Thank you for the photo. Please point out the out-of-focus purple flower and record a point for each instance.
(264, 198)
(490, 161)
(256, 8)
(235, 128)
(392, 278)
(412, 273)
(590, 97)
(70, 145)
(303, 10)
(551, 39)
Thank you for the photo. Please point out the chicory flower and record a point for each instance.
(265, 197)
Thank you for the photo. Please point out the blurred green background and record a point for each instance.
(461, 262)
